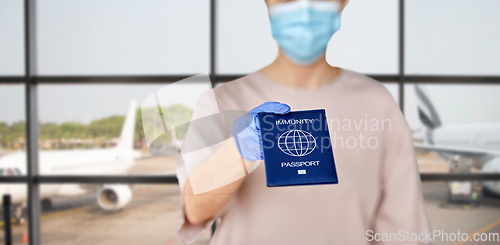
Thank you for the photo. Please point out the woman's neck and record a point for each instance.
(284, 71)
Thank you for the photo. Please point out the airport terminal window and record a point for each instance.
(366, 46)
(11, 43)
(10, 171)
(451, 108)
(369, 47)
(455, 122)
(12, 119)
(97, 124)
(123, 37)
(393, 89)
(87, 41)
(242, 28)
(18, 172)
(18, 214)
(150, 216)
(436, 42)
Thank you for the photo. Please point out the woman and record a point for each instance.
(379, 188)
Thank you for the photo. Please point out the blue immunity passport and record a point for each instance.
(297, 148)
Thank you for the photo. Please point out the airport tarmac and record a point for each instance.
(150, 218)
(152, 215)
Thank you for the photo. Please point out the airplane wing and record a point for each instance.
(465, 151)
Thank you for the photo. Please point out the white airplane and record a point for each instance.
(113, 161)
(478, 142)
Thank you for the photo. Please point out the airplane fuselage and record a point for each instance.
(476, 136)
(72, 162)
(486, 136)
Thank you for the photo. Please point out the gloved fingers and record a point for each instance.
(250, 121)
(272, 106)
(254, 150)
(249, 148)
(246, 130)
(242, 123)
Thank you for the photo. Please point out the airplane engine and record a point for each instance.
(492, 166)
(114, 197)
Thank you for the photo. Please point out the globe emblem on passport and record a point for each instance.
(296, 143)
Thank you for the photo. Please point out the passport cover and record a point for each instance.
(297, 148)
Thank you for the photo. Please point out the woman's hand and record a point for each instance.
(246, 130)
(224, 166)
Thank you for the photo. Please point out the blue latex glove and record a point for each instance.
(246, 130)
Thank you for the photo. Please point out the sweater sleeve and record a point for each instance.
(204, 131)
(186, 231)
(207, 132)
(401, 209)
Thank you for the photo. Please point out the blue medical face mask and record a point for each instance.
(303, 28)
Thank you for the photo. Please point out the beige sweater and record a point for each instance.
(379, 187)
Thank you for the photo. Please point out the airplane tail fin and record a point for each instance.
(427, 113)
(126, 141)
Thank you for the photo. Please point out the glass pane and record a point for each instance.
(12, 127)
(244, 41)
(462, 124)
(11, 38)
(448, 218)
(81, 128)
(367, 41)
(456, 135)
(123, 37)
(480, 105)
(393, 89)
(80, 214)
(18, 212)
(452, 37)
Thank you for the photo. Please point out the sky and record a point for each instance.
(161, 37)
